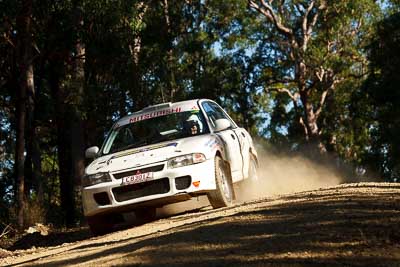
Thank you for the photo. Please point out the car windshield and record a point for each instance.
(155, 130)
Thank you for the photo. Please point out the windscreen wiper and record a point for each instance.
(137, 144)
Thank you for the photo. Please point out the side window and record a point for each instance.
(214, 112)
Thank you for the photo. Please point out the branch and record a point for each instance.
(281, 10)
(321, 102)
(322, 6)
(254, 5)
(79, 57)
(308, 27)
(325, 93)
(8, 40)
(269, 13)
(305, 18)
(295, 97)
(284, 80)
(312, 24)
(6, 230)
(301, 121)
(292, 96)
(320, 73)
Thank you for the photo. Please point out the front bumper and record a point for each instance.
(167, 186)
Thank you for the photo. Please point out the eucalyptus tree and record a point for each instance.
(313, 46)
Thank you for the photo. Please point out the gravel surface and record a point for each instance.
(345, 225)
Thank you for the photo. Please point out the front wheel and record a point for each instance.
(145, 215)
(100, 224)
(222, 196)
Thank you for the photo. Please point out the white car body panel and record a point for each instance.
(233, 145)
(233, 154)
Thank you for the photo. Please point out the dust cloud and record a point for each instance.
(276, 175)
(287, 174)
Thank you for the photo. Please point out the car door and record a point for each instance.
(244, 141)
(229, 137)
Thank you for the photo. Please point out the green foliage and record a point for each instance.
(308, 66)
(382, 91)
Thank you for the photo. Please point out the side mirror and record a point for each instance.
(222, 124)
(91, 152)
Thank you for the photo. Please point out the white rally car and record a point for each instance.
(164, 154)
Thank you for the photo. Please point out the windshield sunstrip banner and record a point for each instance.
(153, 114)
(140, 116)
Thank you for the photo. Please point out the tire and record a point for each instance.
(145, 215)
(100, 224)
(222, 196)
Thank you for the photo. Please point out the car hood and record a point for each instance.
(160, 152)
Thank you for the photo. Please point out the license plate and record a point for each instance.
(137, 178)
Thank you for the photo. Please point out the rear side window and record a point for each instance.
(214, 112)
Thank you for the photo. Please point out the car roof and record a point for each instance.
(154, 110)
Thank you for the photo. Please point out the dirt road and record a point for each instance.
(347, 225)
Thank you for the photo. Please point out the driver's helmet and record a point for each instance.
(194, 119)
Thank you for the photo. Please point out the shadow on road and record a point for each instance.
(350, 230)
(53, 239)
(60, 237)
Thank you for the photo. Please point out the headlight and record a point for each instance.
(186, 160)
(97, 178)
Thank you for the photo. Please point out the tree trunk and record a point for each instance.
(63, 122)
(39, 179)
(37, 170)
(137, 93)
(172, 87)
(19, 154)
(137, 90)
(71, 135)
(65, 163)
(30, 143)
(77, 132)
(311, 129)
(25, 89)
